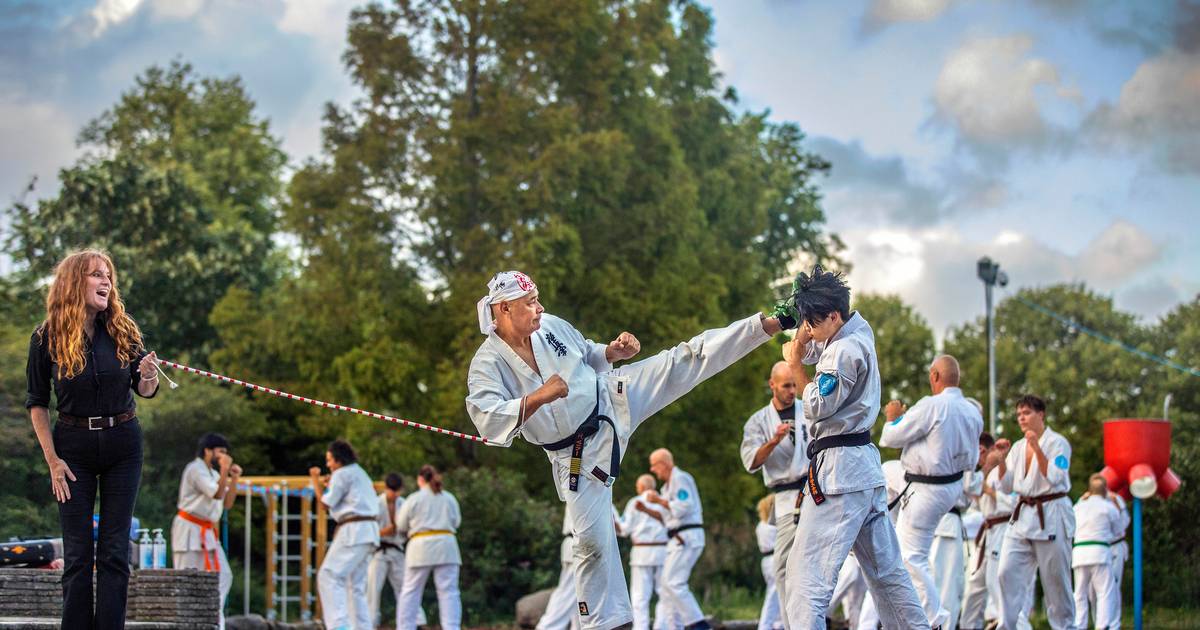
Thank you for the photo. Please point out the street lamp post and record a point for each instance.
(989, 272)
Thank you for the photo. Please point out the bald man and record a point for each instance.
(774, 440)
(1098, 522)
(644, 523)
(685, 531)
(939, 439)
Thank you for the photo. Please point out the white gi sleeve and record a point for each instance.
(204, 484)
(493, 409)
(812, 352)
(973, 484)
(1058, 461)
(682, 499)
(830, 389)
(1004, 483)
(594, 354)
(752, 440)
(336, 490)
(455, 512)
(913, 425)
(403, 514)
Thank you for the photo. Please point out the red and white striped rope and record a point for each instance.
(326, 405)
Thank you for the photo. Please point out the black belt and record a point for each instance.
(955, 511)
(674, 531)
(385, 545)
(784, 486)
(821, 444)
(935, 480)
(768, 554)
(576, 440)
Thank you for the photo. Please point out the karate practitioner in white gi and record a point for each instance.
(685, 532)
(644, 523)
(536, 376)
(1039, 535)
(204, 494)
(351, 500)
(430, 518)
(940, 441)
(560, 608)
(387, 563)
(764, 532)
(1097, 523)
(775, 442)
(1120, 555)
(979, 600)
(845, 504)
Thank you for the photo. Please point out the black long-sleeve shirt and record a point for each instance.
(103, 388)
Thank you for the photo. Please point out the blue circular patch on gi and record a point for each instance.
(1061, 462)
(826, 383)
(682, 495)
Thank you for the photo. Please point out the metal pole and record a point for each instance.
(246, 558)
(1137, 564)
(991, 356)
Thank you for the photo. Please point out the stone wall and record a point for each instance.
(184, 599)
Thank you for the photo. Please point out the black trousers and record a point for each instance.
(111, 460)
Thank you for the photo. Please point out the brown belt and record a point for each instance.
(987, 524)
(97, 423)
(1036, 502)
(354, 518)
(650, 544)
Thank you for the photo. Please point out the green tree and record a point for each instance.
(179, 182)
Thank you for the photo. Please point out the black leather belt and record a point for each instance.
(97, 423)
(844, 440)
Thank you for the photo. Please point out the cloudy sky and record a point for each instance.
(1060, 137)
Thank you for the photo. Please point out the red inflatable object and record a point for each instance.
(1137, 453)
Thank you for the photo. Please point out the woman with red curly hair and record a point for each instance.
(89, 353)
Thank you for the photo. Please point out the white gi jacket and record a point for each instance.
(765, 534)
(196, 489)
(787, 463)
(842, 399)
(680, 491)
(1098, 522)
(1003, 502)
(939, 434)
(1029, 482)
(427, 511)
(498, 379)
(351, 493)
(643, 528)
(387, 517)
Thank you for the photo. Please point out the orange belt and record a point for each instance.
(205, 526)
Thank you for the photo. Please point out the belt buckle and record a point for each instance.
(93, 428)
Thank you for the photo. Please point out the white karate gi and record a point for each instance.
(768, 616)
(561, 611)
(684, 548)
(344, 570)
(1098, 522)
(191, 542)
(947, 555)
(850, 591)
(646, 559)
(844, 400)
(787, 465)
(387, 563)
(1031, 546)
(1120, 554)
(499, 379)
(430, 520)
(939, 436)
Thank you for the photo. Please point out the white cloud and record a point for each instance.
(884, 12)
(1158, 112)
(38, 140)
(109, 13)
(1117, 254)
(324, 20)
(990, 91)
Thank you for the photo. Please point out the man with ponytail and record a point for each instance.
(88, 354)
(430, 517)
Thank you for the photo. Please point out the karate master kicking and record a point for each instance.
(536, 376)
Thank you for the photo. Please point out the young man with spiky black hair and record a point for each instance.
(845, 505)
